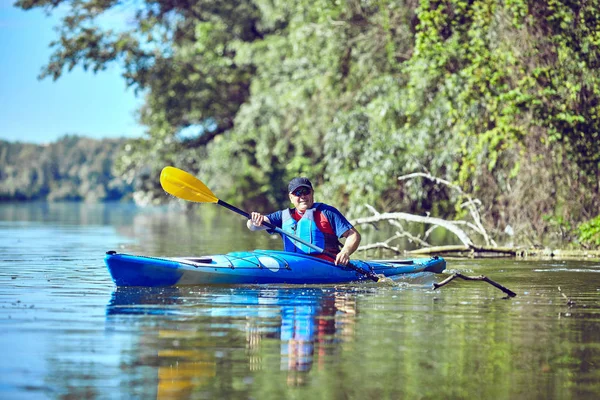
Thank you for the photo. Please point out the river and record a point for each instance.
(67, 332)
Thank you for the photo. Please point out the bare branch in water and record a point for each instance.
(452, 277)
(570, 302)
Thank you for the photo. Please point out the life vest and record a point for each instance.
(307, 229)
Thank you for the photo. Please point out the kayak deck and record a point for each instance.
(253, 267)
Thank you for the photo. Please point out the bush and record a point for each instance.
(589, 232)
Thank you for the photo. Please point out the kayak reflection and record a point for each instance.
(195, 330)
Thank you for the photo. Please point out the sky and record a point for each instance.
(95, 105)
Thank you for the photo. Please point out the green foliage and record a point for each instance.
(589, 232)
(560, 225)
(73, 168)
(568, 96)
(516, 83)
(500, 97)
(178, 53)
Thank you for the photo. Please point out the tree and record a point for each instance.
(499, 97)
(178, 53)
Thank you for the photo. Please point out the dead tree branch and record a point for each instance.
(511, 251)
(449, 225)
(380, 245)
(452, 277)
(470, 203)
(570, 302)
(386, 243)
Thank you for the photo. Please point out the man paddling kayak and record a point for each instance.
(317, 223)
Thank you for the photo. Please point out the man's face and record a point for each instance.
(302, 198)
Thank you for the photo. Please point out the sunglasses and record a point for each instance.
(302, 191)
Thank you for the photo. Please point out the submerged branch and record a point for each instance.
(452, 277)
(570, 302)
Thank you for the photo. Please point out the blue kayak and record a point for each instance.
(253, 267)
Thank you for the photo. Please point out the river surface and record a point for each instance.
(67, 332)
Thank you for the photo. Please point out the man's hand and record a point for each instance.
(352, 241)
(342, 258)
(256, 220)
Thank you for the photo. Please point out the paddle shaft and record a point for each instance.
(269, 225)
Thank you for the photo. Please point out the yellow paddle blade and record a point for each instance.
(185, 186)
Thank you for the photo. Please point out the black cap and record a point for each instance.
(299, 182)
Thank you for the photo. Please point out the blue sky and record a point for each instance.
(95, 105)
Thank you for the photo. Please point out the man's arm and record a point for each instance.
(352, 242)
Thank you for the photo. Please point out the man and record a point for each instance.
(317, 223)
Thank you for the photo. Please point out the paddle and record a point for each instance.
(187, 187)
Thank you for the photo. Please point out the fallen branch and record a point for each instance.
(402, 232)
(462, 236)
(380, 245)
(511, 251)
(570, 302)
(471, 203)
(452, 277)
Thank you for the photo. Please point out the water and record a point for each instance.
(67, 332)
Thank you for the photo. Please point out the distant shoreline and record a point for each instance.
(74, 168)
